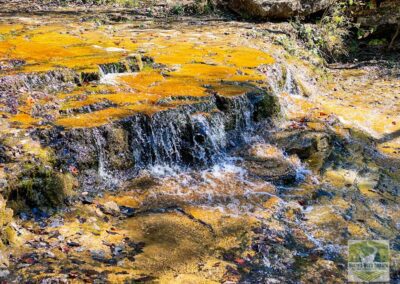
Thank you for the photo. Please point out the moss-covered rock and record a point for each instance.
(267, 107)
(7, 233)
(39, 186)
(312, 147)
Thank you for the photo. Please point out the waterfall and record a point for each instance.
(177, 139)
(197, 135)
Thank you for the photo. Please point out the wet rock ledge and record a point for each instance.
(196, 134)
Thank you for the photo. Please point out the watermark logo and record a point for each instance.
(368, 261)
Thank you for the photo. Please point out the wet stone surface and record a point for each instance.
(146, 152)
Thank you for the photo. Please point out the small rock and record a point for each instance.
(80, 249)
(56, 223)
(3, 260)
(4, 273)
(110, 208)
(86, 199)
(127, 211)
(98, 255)
(49, 254)
(99, 213)
(116, 250)
(73, 244)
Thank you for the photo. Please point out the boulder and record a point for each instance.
(386, 12)
(269, 163)
(310, 146)
(275, 9)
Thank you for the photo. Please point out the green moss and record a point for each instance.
(267, 107)
(40, 186)
(8, 235)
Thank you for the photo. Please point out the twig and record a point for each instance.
(395, 36)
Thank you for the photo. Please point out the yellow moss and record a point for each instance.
(340, 178)
(332, 223)
(272, 202)
(36, 149)
(185, 279)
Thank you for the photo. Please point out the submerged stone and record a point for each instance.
(269, 163)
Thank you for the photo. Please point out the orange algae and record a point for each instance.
(93, 119)
(9, 28)
(175, 87)
(23, 120)
(230, 89)
(178, 53)
(242, 57)
(186, 53)
(74, 104)
(197, 63)
(213, 73)
(128, 98)
(205, 72)
(141, 81)
(47, 47)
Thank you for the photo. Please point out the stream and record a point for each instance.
(187, 152)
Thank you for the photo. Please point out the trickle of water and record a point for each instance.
(209, 140)
(112, 68)
(102, 168)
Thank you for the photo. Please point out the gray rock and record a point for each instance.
(4, 273)
(275, 9)
(269, 163)
(310, 146)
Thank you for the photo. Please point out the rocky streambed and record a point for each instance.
(197, 152)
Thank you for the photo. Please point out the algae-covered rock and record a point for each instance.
(7, 233)
(39, 186)
(310, 146)
(117, 148)
(267, 107)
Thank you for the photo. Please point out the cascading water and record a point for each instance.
(209, 140)
(197, 135)
(102, 166)
(185, 138)
(281, 82)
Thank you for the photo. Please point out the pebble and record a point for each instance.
(4, 273)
